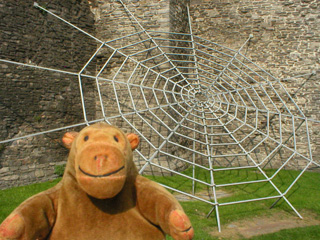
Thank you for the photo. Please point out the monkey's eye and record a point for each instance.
(116, 139)
(86, 138)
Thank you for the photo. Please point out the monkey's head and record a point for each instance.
(101, 156)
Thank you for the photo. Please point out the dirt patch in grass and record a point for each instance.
(203, 194)
(265, 224)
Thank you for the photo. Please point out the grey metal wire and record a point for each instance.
(204, 93)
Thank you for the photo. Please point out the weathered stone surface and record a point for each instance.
(285, 42)
(34, 100)
(39, 173)
(11, 178)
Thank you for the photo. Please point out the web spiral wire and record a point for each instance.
(200, 108)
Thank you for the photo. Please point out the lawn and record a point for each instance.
(304, 196)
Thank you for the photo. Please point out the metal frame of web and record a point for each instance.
(198, 107)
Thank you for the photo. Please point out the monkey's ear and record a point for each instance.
(68, 139)
(134, 140)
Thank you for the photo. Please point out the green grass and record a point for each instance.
(304, 196)
(11, 198)
(305, 233)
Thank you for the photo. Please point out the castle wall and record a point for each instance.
(285, 42)
(34, 100)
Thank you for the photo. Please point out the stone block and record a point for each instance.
(4, 169)
(11, 178)
(39, 173)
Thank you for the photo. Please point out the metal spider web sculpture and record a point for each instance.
(200, 109)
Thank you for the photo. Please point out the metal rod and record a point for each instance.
(74, 26)
(235, 96)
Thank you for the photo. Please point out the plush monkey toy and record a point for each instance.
(101, 196)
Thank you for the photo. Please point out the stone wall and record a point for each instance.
(113, 21)
(35, 100)
(285, 42)
(285, 33)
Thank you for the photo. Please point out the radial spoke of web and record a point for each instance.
(233, 117)
(193, 46)
(147, 59)
(210, 61)
(268, 136)
(134, 107)
(280, 144)
(128, 87)
(141, 86)
(216, 44)
(220, 76)
(141, 111)
(114, 86)
(214, 69)
(300, 174)
(188, 149)
(134, 110)
(264, 134)
(235, 82)
(261, 110)
(80, 83)
(293, 134)
(137, 43)
(247, 135)
(212, 86)
(79, 29)
(128, 83)
(98, 120)
(37, 5)
(263, 173)
(187, 194)
(88, 76)
(243, 123)
(124, 115)
(277, 81)
(119, 38)
(214, 50)
(98, 85)
(43, 68)
(180, 174)
(244, 89)
(209, 150)
(165, 141)
(281, 141)
(180, 105)
(134, 60)
(261, 86)
(115, 91)
(247, 88)
(186, 161)
(229, 62)
(154, 42)
(248, 95)
(311, 159)
(193, 155)
(50, 131)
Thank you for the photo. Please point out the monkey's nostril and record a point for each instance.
(101, 157)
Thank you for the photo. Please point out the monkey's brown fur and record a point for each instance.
(101, 196)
